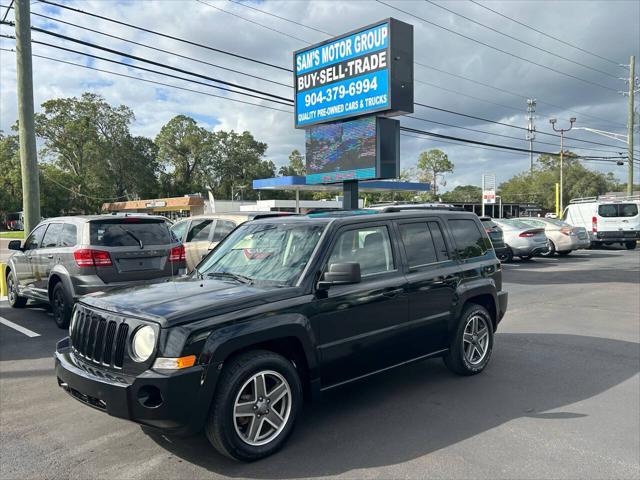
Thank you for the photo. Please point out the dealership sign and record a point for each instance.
(366, 71)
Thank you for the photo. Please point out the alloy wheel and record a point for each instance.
(262, 408)
(475, 340)
(58, 305)
(11, 289)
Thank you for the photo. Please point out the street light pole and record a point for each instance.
(553, 121)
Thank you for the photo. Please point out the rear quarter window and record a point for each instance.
(127, 234)
(469, 240)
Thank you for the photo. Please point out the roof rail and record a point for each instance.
(404, 208)
(605, 198)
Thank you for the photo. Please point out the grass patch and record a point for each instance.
(16, 235)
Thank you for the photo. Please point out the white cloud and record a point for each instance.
(609, 28)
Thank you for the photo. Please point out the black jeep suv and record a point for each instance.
(281, 310)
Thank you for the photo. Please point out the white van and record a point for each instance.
(608, 219)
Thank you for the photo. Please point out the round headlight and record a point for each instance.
(144, 340)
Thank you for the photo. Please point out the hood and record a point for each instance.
(185, 300)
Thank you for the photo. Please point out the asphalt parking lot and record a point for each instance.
(560, 399)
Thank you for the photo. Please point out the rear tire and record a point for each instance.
(60, 306)
(15, 300)
(506, 257)
(253, 381)
(471, 346)
(551, 251)
(631, 245)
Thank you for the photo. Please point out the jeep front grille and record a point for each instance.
(99, 338)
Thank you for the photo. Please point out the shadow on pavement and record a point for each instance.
(410, 412)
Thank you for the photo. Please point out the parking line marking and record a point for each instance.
(17, 327)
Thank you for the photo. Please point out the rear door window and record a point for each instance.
(470, 242)
(223, 228)
(69, 235)
(199, 231)
(52, 235)
(129, 233)
(610, 210)
(438, 241)
(418, 244)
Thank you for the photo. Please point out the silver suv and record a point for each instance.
(66, 257)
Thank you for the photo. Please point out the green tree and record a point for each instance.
(463, 193)
(10, 178)
(578, 181)
(296, 165)
(431, 165)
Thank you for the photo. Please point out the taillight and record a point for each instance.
(177, 254)
(566, 230)
(594, 224)
(87, 257)
(527, 234)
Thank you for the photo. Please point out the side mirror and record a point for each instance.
(341, 274)
(15, 245)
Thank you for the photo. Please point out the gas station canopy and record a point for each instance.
(298, 183)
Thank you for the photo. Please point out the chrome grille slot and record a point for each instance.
(108, 344)
(120, 344)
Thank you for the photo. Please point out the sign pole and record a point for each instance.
(350, 195)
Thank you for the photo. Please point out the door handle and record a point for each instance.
(393, 293)
(50, 256)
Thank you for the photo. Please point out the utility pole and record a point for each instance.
(632, 86)
(531, 129)
(26, 125)
(553, 121)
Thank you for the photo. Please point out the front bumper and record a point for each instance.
(175, 403)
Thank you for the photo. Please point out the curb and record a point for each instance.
(3, 280)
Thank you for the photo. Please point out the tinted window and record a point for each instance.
(129, 233)
(370, 247)
(199, 231)
(69, 235)
(469, 240)
(33, 241)
(438, 241)
(51, 236)
(223, 228)
(179, 228)
(618, 210)
(418, 244)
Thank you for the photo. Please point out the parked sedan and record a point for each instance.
(66, 257)
(496, 235)
(563, 238)
(523, 240)
(200, 234)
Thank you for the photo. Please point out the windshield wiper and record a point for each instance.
(132, 236)
(234, 276)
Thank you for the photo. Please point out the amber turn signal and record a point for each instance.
(174, 363)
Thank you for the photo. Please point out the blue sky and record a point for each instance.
(608, 28)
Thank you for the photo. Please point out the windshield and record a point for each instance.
(270, 253)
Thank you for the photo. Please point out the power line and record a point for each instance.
(160, 49)
(151, 70)
(154, 82)
(7, 11)
(253, 21)
(545, 34)
(520, 41)
(245, 5)
(429, 22)
(166, 35)
(157, 64)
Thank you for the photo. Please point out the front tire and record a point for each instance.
(15, 300)
(506, 257)
(526, 258)
(472, 344)
(631, 245)
(565, 252)
(60, 306)
(255, 405)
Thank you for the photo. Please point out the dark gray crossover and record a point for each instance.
(280, 311)
(66, 257)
